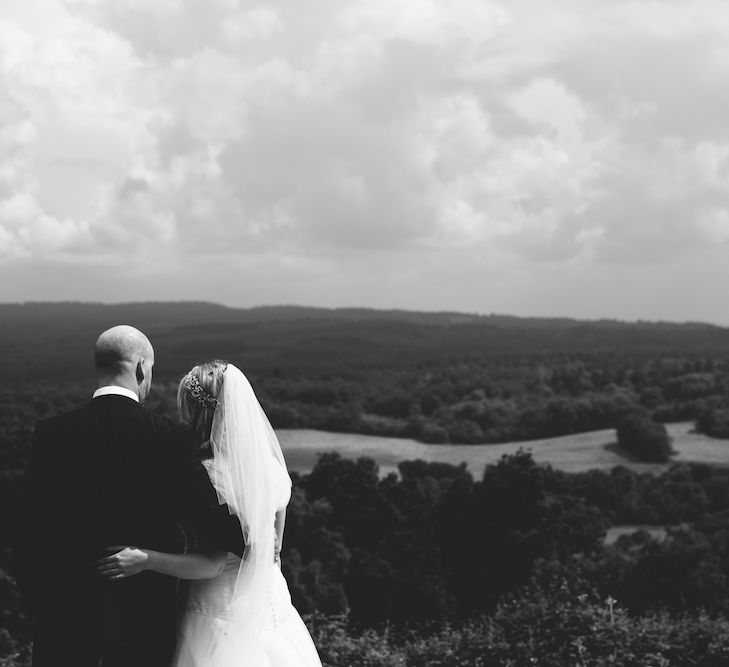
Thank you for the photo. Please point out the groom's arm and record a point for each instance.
(222, 529)
(213, 521)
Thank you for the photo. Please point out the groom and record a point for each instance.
(111, 473)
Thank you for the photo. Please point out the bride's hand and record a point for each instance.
(125, 562)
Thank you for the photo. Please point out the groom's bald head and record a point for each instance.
(119, 346)
(124, 356)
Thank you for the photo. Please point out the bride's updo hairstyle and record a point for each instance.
(197, 396)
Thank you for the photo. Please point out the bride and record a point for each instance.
(238, 611)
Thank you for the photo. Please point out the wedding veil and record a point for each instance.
(249, 475)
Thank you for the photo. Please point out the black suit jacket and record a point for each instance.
(111, 473)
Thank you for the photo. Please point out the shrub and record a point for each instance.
(551, 627)
(644, 438)
(714, 422)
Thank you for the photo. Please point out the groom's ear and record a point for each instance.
(140, 371)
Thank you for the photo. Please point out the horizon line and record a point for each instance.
(374, 309)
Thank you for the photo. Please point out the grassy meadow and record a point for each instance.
(578, 452)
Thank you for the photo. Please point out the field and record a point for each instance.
(571, 453)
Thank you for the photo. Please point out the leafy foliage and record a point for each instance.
(714, 421)
(644, 438)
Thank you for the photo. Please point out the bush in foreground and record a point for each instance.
(549, 628)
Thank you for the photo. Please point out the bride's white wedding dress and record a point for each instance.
(244, 616)
(209, 636)
(208, 630)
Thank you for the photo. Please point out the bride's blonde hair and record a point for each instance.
(197, 396)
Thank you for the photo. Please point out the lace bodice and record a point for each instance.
(213, 596)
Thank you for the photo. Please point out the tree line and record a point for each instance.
(489, 401)
(435, 377)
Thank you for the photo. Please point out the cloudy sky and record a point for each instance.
(560, 157)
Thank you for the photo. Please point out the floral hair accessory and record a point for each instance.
(197, 392)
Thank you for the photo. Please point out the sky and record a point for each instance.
(531, 157)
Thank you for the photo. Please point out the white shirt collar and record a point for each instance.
(118, 391)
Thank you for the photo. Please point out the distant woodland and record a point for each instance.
(434, 565)
(435, 377)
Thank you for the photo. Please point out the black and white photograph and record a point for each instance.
(360, 333)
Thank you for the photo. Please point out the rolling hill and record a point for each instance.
(54, 341)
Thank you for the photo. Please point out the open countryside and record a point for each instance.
(571, 453)
(550, 520)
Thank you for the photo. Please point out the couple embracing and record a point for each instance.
(144, 542)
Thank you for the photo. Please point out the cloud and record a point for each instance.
(351, 133)
(78, 120)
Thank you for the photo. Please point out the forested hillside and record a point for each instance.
(436, 377)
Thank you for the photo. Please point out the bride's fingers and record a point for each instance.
(108, 567)
(112, 557)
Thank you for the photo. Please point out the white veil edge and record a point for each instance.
(249, 475)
